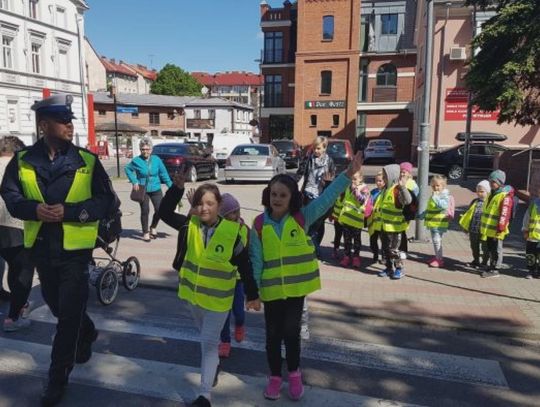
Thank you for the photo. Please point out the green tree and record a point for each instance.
(505, 73)
(173, 80)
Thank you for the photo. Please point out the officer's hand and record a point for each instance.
(356, 164)
(45, 213)
(58, 210)
(254, 305)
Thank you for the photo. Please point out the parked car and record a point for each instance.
(224, 143)
(253, 162)
(202, 145)
(450, 161)
(289, 151)
(341, 152)
(177, 156)
(379, 149)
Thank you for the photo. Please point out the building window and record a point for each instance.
(135, 115)
(102, 113)
(197, 114)
(36, 58)
(335, 120)
(7, 52)
(361, 120)
(328, 28)
(272, 91)
(211, 114)
(363, 82)
(153, 133)
(61, 17)
(154, 118)
(273, 47)
(387, 75)
(33, 9)
(389, 24)
(14, 122)
(63, 63)
(326, 82)
(4, 4)
(313, 120)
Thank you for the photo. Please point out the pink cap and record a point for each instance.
(406, 166)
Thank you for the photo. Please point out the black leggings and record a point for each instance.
(353, 240)
(282, 318)
(20, 275)
(155, 197)
(338, 232)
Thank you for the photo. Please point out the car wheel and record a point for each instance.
(192, 176)
(455, 172)
(215, 174)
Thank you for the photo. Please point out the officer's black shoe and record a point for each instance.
(201, 402)
(84, 348)
(52, 395)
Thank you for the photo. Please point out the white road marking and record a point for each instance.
(166, 380)
(440, 366)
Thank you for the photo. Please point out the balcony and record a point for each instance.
(200, 123)
(384, 94)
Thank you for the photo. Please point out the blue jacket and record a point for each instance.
(311, 212)
(137, 172)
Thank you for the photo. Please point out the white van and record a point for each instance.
(224, 143)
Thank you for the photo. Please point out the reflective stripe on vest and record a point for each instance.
(207, 277)
(77, 235)
(435, 216)
(534, 224)
(290, 268)
(490, 218)
(336, 211)
(466, 219)
(392, 218)
(352, 213)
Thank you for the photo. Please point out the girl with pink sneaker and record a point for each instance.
(437, 215)
(286, 268)
(357, 206)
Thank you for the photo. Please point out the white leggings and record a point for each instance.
(436, 237)
(209, 325)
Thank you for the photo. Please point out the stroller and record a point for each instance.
(105, 272)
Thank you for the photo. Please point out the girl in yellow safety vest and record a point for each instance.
(286, 268)
(374, 220)
(531, 232)
(210, 252)
(356, 208)
(436, 217)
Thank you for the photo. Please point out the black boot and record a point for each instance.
(201, 402)
(52, 395)
(84, 348)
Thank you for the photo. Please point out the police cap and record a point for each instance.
(58, 106)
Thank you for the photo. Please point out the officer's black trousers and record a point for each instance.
(64, 285)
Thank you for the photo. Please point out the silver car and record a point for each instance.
(253, 162)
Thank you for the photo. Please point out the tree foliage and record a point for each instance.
(173, 80)
(505, 73)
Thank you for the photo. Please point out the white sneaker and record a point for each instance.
(28, 307)
(146, 237)
(153, 232)
(304, 333)
(11, 326)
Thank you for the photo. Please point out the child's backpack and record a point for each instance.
(410, 210)
(450, 211)
(258, 223)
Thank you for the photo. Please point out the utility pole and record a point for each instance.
(425, 127)
(468, 122)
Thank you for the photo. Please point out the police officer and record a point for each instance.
(60, 191)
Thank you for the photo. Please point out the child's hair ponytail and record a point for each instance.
(296, 196)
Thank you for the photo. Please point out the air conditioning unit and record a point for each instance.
(458, 54)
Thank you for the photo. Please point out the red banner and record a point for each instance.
(455, 107)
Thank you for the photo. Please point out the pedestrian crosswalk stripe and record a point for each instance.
(165, 380)
(440, 366)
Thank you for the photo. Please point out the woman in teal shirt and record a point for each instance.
(148, 170)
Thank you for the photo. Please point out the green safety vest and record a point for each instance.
(490, 218)
(338, 205)
(207, 277)
(435, 216)
(391, 217)
(466, 219)
(374, 222)
(77, 235)
(290, 268)
(352, 212)
(534, 224)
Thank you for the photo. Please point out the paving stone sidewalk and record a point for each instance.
(455, 297)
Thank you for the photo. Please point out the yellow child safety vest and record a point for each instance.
(77, 236)
(534, 224)
(207, 277)
(374, 222)
(290, 268)
(466, 219)
(490, 218)
(392, 218)
(352, 213)
(435, 216)
(338, 205)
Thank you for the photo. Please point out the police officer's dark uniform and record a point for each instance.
(41, 182)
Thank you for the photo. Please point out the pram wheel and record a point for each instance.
(131, 272)
(107, 286)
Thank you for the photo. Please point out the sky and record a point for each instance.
(197, 35)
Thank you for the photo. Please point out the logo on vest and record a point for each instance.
(294, 233)
(83, 216)
(219, 249)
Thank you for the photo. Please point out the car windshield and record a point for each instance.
(250, 150)
(283, 145)
(336, 150)
(176, 149)
(379, 143)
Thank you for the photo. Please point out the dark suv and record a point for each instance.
(177, 156)
(289, 151)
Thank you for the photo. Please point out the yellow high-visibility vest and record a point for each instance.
(392, 218)
(490, 218)
(534, 224)
(352, 212)
(435, 216)
(466, 219)
(77, 235)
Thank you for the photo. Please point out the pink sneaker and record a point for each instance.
(356, 262)
(296, 388)
(345, 261)
(435, 263)
(224, 349)
(273, 388)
